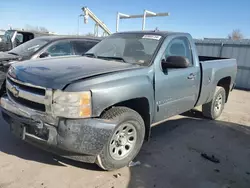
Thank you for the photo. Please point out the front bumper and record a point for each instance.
(78, 139)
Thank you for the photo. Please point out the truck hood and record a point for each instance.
(5, 56)
(4, 46)
(56, 73)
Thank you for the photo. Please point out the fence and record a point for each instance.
(239, 50)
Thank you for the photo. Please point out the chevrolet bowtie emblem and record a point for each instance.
(15, 91)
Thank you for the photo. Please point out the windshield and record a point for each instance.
(136, 48)
(30, 47)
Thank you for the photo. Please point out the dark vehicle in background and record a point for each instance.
(100, 108)
(13, 38)
(46, 46)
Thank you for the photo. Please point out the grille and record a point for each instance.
(27, 103)
(31, 97)
(28, 88)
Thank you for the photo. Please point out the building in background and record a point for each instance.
(238, 49)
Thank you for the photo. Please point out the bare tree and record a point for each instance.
(43, 29)
(236, 35)
(89, 34)
(36, 28)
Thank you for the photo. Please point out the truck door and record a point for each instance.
(176, 89)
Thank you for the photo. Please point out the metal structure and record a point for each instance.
(239, 50)
(146, 13)
(98, 23)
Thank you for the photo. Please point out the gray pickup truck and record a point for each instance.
(100, 108)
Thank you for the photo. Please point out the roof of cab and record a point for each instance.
(62, 37)
(152, 32)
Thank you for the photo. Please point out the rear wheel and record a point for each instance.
(213, 109)
(125, 141)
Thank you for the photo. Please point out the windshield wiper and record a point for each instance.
(112, 57)
(104, 57)
(90, 55)
(13, 53)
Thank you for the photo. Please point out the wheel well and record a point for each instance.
(140, 105)
(225, 83)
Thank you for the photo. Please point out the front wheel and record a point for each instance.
(125, 141)
(213, 109)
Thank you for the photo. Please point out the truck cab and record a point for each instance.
(99, 108)
(13, 38)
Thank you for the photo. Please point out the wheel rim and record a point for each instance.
(123, 141)
(218, 103)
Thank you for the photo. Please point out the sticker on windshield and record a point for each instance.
(154, 37)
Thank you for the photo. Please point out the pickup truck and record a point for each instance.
(100, 108)
(13, 38)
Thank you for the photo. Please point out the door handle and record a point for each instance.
(191, 76)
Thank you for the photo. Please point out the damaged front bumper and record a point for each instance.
(78, 139)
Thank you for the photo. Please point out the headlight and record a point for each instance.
(72, 104)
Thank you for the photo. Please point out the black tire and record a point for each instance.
(121, 115)
(208, 109)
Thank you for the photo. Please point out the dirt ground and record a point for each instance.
(170, 160)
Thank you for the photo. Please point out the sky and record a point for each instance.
(201, 18)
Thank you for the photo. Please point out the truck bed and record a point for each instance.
(210, 58)
(213, 70)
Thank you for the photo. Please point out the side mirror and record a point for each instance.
(44, 54)
(175, 62)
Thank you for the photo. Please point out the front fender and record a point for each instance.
(111, 89)
(122, 90)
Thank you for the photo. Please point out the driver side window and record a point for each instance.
(62, 48)
(179, 46)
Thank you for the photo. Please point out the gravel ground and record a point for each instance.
(171, 159)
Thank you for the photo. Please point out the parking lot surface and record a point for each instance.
(172, 159)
